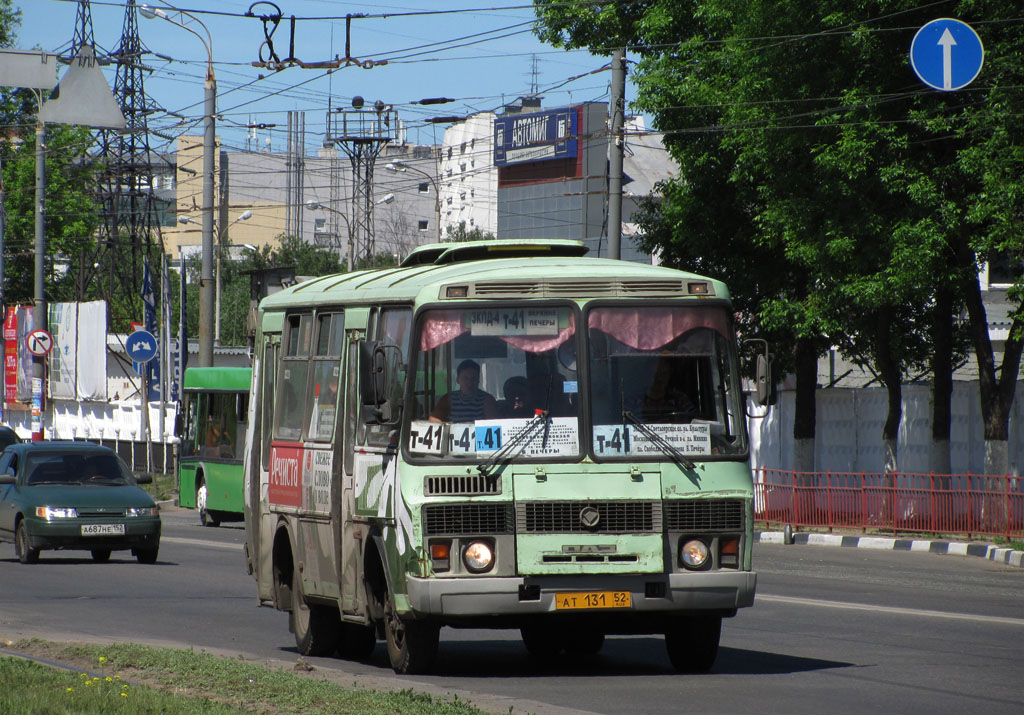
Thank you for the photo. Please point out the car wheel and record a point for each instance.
(412, 645)
(147, 555)
(316, 627)
(100, 556)
(692, 643)
(205, 517)
(26, 554)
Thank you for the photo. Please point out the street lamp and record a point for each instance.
(396, 166)
(244, 216)
(313, 205)
(207, 315)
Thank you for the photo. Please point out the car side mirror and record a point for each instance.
(7, 478)
(144, 479)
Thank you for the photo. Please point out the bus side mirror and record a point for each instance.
(764, 380)
(375, 382)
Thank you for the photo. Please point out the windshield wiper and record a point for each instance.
(521, 440)
(660, 442)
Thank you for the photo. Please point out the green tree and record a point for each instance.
(460, 233)
(842, 202)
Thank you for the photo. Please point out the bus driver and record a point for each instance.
(469, 402)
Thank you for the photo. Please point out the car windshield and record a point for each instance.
(75, 468)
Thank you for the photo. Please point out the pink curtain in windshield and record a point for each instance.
(653, 327)
(443, 326)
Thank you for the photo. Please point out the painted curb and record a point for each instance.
(1009, 557)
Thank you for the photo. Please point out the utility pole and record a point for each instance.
(616, 110)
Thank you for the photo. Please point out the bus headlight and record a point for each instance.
(693, 554)
(478, 556)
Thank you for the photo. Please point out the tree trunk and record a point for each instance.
(805, 410)
(891, 375)
(942, 382)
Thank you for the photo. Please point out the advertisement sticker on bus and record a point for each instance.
(285, 479)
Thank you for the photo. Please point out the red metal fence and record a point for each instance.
(968, 504)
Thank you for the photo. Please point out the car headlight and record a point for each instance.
(142, 511)
(693, 554)
(478, 556)
(56, 512)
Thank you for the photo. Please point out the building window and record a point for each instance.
(423, 225)
(425, 187)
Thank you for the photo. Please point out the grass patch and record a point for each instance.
(164, 486)
(138, 679)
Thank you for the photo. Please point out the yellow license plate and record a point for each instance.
(577, 600)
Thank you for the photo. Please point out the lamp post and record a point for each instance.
(244, 216)
(396, 166)
(206, 304)
(316, 205)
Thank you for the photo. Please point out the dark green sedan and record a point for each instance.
(75, 495)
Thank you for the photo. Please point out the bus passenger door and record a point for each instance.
(349, 572)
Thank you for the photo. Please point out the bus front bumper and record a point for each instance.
(680, 593)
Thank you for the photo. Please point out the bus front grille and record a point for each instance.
(703, 515)
(467, 519)
(461, 485)
(576, 517)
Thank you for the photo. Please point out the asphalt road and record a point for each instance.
(833, 630)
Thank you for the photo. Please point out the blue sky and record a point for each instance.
(480, 57)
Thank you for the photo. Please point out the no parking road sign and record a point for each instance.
(946, 54)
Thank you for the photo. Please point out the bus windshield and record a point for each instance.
(487, 378)
(663, 379)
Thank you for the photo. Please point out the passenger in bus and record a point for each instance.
(547, 392)
(666, 400)
(515, 390)
(217, 443)
(469, 402)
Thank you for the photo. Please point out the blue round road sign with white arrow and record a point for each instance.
(141, 346)
(947, 54)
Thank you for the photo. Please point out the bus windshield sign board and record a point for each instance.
(946, 54)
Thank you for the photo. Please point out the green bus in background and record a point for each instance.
(212, 436)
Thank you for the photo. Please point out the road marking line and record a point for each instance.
(200, 542)
(889, 609)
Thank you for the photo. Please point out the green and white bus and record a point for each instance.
(500, 434)
(212, 436)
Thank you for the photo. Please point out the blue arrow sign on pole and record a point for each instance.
(141, 346)
(946, 54)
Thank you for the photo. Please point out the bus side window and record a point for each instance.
(291, 405)
(351, 392)
(392, 329)
(269, 396)
(322, 405)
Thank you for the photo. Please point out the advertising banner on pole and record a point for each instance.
(11, 354)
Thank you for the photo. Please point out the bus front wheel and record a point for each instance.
(692, 643)
(412, 645)
(316, 627)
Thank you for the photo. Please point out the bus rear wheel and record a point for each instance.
(412, 645)
(692, 643)
(316, 627)
(206, 518)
